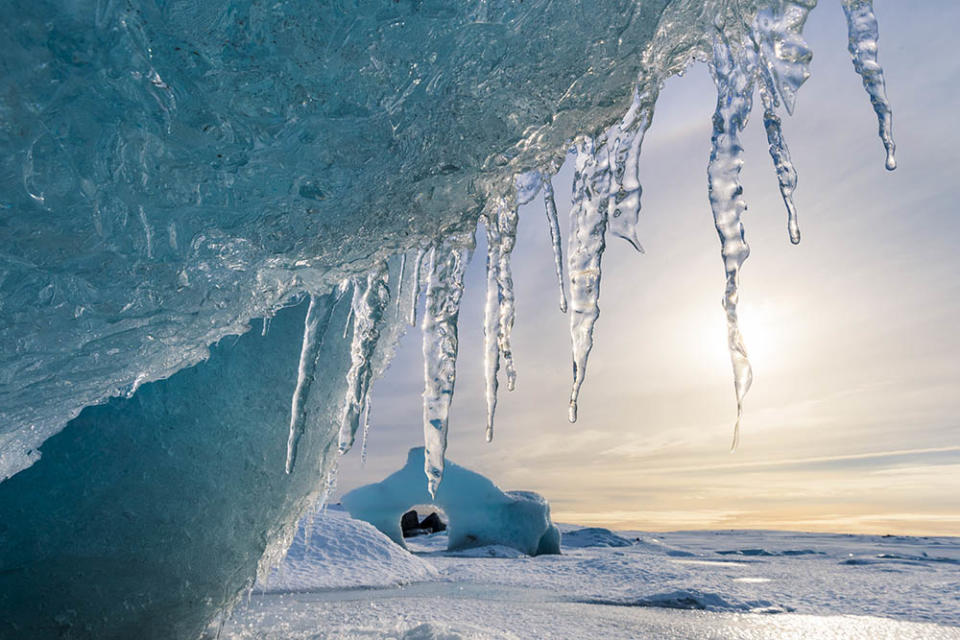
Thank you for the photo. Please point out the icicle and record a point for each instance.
(318, 316)
(370, 299)
(440, 343)
(734, 80)
(623, 210)
(399, 296)
(507, 228)
(784, 66)
(528, 185)
(491, 321)
(365, 421)
(863, 32)
(346, 325)
(551, 207)
(780, 154)
(585, 246)
(777, 31)
(415, 289)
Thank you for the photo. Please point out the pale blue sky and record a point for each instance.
(851, 424)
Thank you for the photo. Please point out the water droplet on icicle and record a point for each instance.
(863, 35)
(440, 345)
(734, 81)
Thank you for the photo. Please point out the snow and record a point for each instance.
(479, 513)
(716, 584)
(593, 537)
(331, 550)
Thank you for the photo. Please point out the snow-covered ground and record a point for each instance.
(707, 584)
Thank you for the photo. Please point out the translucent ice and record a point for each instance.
(733, 72)
(440, 346)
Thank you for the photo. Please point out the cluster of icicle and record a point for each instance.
(772, 58)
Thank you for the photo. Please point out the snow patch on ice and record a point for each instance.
(331, 550)
(593, 537)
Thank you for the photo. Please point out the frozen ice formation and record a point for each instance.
(146, 515)
(479, 513)
(217, 218)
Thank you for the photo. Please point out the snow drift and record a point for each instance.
(331, 550)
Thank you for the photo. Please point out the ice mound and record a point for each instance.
(331, 550)
(593, 537)
(479, 513)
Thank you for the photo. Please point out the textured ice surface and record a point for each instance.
(149, 513)
(478, 512)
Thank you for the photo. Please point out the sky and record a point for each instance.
(852, 421)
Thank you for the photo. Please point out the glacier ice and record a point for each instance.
(479, 513)
(147, 514)
(177, 173)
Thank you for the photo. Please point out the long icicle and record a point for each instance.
(863, 35)
(491, 321)
(440, 345)
(314, 325)
(550, 205)
(370, 299)
(585, 246)
(734, 80)
(507, 228)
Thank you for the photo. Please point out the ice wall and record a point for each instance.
(146, 515)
